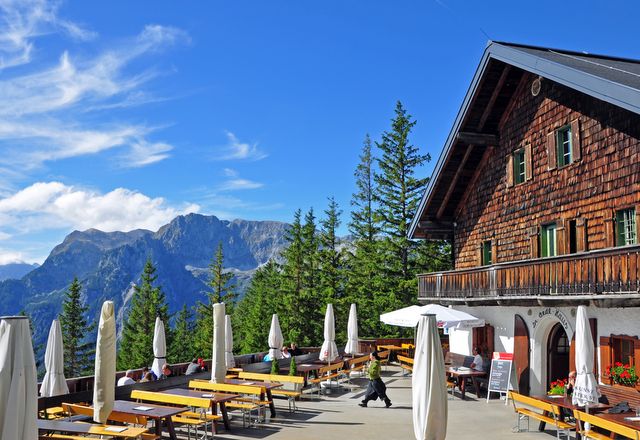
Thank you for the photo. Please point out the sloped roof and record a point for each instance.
(610, 79)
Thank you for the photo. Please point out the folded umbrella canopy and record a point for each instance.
(105, 367)
(18, 384)
(352, 331)
(275, 338)
(445, 317)
(219, 368)
(329, 350)
(228, 343)
(428, 384)
(159, 348)
(585, 391)
(54, 383)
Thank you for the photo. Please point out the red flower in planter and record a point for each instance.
(623, 374)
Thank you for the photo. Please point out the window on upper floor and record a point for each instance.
(626, 232)
(564, 151)
(548, 240)
(519, 166)
(487, 253)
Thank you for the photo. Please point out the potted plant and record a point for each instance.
(558, 387)
(623, 374)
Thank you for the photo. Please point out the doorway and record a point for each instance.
(521, 351)
(557, 354)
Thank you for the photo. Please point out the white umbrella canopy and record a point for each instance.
(18, 384)
(54, 382)
(352, 331)
(275, 338)
(104, 384)
(429, 388)
(329, 350)
(219, 368)
(159, 348)
(585, 390)
(228, 343)
(445, 317)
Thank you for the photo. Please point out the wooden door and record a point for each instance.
(521, 353)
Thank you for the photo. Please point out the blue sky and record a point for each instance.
(121, 115)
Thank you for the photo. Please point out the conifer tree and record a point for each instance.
(181, 348)
(78, 351)
(397, 196)
(363, 225)
(221, 289)
(330, 256)
(293, 269)
(148, 302)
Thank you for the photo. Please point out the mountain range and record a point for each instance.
(108, 264)
(15, 270)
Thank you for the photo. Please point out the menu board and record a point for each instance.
(500, 374)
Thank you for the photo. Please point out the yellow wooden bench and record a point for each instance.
(356, 364)
(550, 413)
(608, 425)
(291, 395)
(328, 372)
(131, 419)
(254, 398)
(406, 363)
(201, 412)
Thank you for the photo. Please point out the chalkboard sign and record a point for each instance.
(500, 374)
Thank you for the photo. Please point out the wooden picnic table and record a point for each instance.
(622, 419)
(63, 426)
(267, 386)
(157, 413)
(461, 374)
(219, 399)
(567, 403)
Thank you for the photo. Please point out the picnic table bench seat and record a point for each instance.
(356, 364)
(290, 395)
(327, 373)
(525, 407)
(607, 425)
(252, 398)
(406, 363)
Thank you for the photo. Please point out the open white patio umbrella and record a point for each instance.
(18, 384)
(159, 348)
(352, 331)
(218, 366)
(429, 388)
(445, 317)
(585, 390)
(54, 383)
(104, 384)
(275, 338)
(228, 343)
(329, 350)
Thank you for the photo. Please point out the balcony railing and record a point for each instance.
(603, 272)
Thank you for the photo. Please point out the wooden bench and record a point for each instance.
(406, 363)
(358, 364)
(550, 413)
(608, 425)
(254, 398)
(130, 419)
(619, 394)
(328, 372)
(203, 414)
(291, 395)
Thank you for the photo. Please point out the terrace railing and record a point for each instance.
(599, 272)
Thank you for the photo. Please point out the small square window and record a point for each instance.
(519, 166)
(548, 243)
(626, 227)
(487, 253)
(564, 154)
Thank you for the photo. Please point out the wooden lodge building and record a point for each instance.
(538, 189)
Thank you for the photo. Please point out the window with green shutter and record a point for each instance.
(519, 166)
(626, 227)
(487, 253)
(548, 242)
(563, 146)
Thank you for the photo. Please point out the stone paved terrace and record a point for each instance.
(337, 416)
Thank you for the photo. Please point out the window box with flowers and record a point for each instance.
(622, 374)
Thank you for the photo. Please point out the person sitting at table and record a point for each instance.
(203, 365)
(127, 379)
(571, 382)
(267, 358)
(193, 367)
(294, 350)
(148, 377)
(166, 372)
(285, 352)
(478, 362)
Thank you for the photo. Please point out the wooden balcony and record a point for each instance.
(606, 278)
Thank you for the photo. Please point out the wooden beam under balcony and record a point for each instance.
(478, 139)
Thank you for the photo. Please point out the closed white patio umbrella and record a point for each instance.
(218, 367)
(105, 366)
(329, 350)
(228, 343)
(352, 331)
(585, 390)
(429, 388)
(54, 382)
(275, 338)
(159, 348)
(18, 384)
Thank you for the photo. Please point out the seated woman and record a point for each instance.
(285, 352)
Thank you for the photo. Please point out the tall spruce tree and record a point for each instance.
(293, 269)
(363, 226)
(181, 347)
(397, 196)
(78, 351)
(148, 302)
(221, 290)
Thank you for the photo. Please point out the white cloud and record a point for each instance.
(239, 150)
(9, 256)
(236, 183)
(46, 205)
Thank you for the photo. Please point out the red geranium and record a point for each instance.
(623, 374)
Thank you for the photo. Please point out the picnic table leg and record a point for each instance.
(170, 428)
(272, 405)
(225, 416)
(461, 386)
